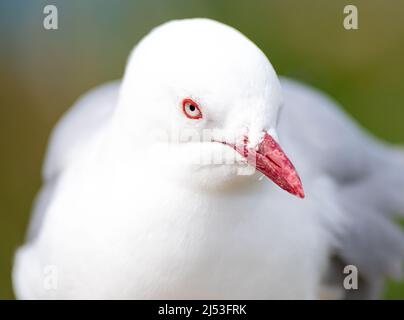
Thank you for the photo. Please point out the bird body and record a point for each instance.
(127, 213)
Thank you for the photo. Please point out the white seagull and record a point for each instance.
(141, 198)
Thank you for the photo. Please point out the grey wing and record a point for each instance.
(72, 136)
(367, 181)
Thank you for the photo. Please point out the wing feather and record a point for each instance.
(367, 179)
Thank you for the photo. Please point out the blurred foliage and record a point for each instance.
(43, 72)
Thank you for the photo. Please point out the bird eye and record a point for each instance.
(191, 109)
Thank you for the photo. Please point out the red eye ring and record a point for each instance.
(191, 109)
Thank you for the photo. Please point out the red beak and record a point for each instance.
(273, 163)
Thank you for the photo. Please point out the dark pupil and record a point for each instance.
(192, 107)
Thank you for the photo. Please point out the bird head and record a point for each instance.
(204, 100)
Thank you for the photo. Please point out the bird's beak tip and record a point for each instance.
(300, 193)
(272, 161)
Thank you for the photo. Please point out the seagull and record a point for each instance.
(204, 175)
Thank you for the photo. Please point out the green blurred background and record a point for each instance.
(43, 72)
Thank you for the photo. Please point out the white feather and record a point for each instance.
(124, 213)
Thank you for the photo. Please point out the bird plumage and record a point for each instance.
(119, 222)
